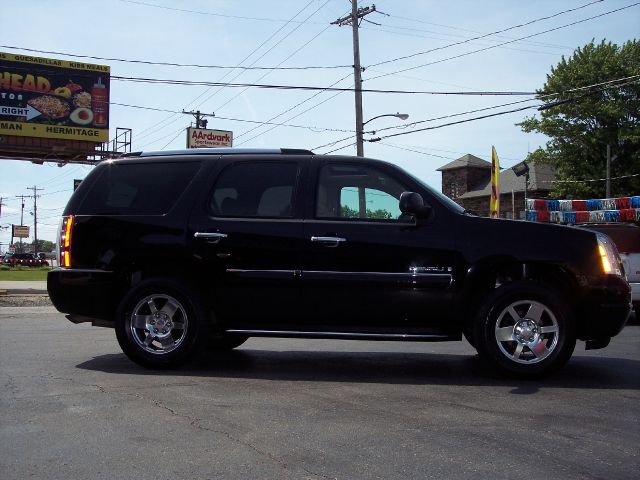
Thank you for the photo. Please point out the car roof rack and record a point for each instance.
(222, 151)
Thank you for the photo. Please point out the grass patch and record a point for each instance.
(26, 274)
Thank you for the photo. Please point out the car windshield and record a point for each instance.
(440, 196)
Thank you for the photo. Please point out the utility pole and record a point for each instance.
(608, 194)
(35, 217)
(356, 14)
(21, 197)
(1, 204)
(200, 121)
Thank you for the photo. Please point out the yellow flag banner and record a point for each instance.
(494, 203)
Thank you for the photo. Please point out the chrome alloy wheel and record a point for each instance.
(159, 324)
(526, 332)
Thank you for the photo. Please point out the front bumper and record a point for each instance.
(604, 308)
(87, 293)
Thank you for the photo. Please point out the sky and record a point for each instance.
(439, 40)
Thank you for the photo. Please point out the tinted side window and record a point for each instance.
(254, 189)
(358, 192)
(138, 188)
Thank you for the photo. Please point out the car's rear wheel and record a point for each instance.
(524, 329)
(160, 323)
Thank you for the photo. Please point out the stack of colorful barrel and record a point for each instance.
(609, 210)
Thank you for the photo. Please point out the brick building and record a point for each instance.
(467, 181)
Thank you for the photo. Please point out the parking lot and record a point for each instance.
(73, 406)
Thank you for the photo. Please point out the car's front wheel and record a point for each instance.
(524, 329)
(160, 323)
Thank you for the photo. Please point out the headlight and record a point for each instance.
(609, 255)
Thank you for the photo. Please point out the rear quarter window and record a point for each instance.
(149, 188)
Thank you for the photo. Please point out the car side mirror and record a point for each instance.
(412, 203)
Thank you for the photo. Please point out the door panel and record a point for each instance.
(249, 236)
(386, 271)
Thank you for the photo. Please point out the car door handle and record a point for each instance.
(210, 237)
(329, 241)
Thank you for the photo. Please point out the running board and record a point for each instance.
(344, 335)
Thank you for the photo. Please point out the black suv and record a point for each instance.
(179, 250)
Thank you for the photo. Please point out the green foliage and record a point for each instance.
(580, 129)
(380, 214)
(43, 246)
(24, 274)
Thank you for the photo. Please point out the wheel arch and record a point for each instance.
(491, 273)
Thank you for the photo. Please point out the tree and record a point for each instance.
(43, 246)
(381, 214)
(581, 123)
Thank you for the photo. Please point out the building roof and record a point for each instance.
(540, 178)
(467, 160)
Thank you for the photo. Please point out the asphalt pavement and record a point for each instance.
(10, 287)
(73, 406)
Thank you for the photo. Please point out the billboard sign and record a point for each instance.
(20, 231)
(48, 98)
(203, 138)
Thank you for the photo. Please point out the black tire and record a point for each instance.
(160, 323)
(525, 330)
(226, 342)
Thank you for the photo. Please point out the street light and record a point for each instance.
(521, 169)
(360, 141)
(401, 116)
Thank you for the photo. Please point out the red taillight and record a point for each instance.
(65, 241)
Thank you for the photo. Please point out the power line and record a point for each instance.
(422, 148)
(540, 97)
(287, 35)
(311, 87)
(227, 74)
(400, 27)
(590, 180)
(304, 45)
(415, 35)
(331, 144)
(298, 114)
(341, 148)
(490, 47)
(540, 19)
(542, 44)
(539, 107)
(415, 151)
(174, 64)
(606, 85)
(200, 12)
(308, 127)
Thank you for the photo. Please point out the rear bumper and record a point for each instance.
(88, 293)
(604, 309)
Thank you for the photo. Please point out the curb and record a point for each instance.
(22, 291)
